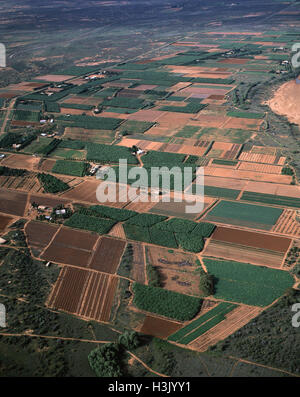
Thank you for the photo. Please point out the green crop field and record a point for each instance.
(123, 102)
(27, 115)
(74, 168)
(89, 122)
(109, 154)
(245, 115)
(243, 214)
(159, 159)
(191, 107)
(136, 127)
(194, 328)
(165, 303)
(249, 284)
(225, 162)
(271, 199)
(221, 192)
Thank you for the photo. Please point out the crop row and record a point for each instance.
(221, 309)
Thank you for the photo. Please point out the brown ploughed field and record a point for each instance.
(84, 293)
(107, 255)
(159, 327)
(13, 203)
(39, 234)
(4, 222)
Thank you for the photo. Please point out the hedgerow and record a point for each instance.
(70, 144)
(117, 214)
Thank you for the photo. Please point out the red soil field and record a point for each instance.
(9, 94)
(98, 297)
(158, 327)
(257, 157)
(82, 100)
(138, 266)
(274, 188)
(86, 192)
(47, 165)
(264, 168)
(13, 203)
(57, 78)
(48, 201)
(247, 175)
(84, 293)
(76, 239)
(247, 124)
(217, 97)
(39, 234)
(17, 123)
(236, 61)
(243, 253)
(72, 247)
(108, 255)
(118, 231)
(68, 290)
(4, 222)
(76, 111)
(251, 239)
(225, 182)
(21, 161)
(205, 120)
(66, 255)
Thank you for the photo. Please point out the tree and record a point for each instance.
(129, 340)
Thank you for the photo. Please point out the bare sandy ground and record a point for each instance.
(286, 101)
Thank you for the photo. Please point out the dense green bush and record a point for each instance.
(190, 242)
(105, 360)
(145, 220)
(165, 303)
(94, 224)
(6, 171)
(51, 184)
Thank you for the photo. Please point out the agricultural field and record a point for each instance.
(168, 286)
(249, 247)
(70, 247)
(39, 235)
(246, 215)
(90, 287)
(244, 283)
